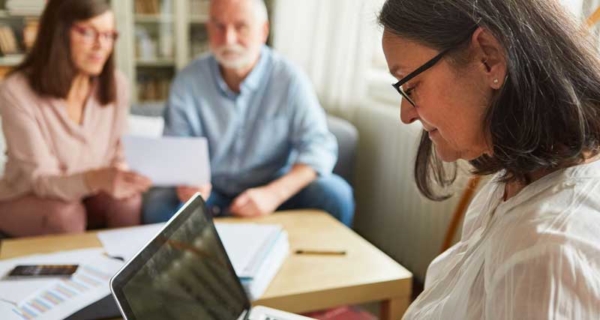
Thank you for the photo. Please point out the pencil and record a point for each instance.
(322, 252)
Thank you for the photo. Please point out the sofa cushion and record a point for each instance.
(344, 131)
(146, 126)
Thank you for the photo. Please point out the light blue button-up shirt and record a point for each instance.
(255, 136)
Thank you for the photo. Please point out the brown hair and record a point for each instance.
(49, 66)
(547, 114)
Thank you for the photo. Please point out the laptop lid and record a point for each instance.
(183, 273)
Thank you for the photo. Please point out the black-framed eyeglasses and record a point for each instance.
(421, 69)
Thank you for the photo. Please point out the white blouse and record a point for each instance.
(535, 256)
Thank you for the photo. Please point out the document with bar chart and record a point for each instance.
(56, 298)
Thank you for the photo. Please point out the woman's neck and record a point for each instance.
(78, 94)
(80, 88)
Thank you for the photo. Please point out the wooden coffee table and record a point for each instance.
(305, 282)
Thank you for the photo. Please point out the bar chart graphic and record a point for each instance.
(87, 280)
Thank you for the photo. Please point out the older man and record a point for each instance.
(270, 148)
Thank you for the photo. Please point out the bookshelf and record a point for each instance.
(157, 39)
(19, 21)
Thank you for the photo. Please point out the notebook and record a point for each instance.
(184, 273)
(256, 251)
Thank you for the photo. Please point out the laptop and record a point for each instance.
(185, 273)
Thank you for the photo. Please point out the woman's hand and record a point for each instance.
(118, 183)
(185, 193)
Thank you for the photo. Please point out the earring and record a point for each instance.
(496, 81)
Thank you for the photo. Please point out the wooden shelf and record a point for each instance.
(153, 18)
(155, 63)
(199, 19)
(11, 60)
(5, 14)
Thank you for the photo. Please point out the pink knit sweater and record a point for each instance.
(47, 152)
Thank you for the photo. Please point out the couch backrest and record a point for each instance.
(345, 133)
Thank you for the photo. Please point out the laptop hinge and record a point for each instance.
(244, 316)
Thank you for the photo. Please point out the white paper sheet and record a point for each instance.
(246, 243)
(57, 298)
(126, 243)
(169, 161)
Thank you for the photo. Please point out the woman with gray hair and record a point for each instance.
(513, 87)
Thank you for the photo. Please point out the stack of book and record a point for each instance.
(198, 41)
(25, 7)
(147, 7)
(153, 88)
(256, 251)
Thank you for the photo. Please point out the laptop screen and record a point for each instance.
(184, 273)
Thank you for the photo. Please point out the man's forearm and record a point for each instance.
(298, 178)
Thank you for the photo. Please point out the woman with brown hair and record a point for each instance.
(514, 88)
(64, 110)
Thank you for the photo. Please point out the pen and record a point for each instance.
(322, 252)
(114, 257)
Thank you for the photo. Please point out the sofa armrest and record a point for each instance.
(347, 138)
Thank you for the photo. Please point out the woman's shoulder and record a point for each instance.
(16, 83)
(16, 89)
(562, 219)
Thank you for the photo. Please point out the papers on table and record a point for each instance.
(56, 298)
(126, 243)
(256, 251)
(169, 161)
(248, 245)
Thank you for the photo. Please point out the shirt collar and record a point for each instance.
(252, 81)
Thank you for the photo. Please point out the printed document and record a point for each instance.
(169, 161)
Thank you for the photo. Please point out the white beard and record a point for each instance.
(233, 57)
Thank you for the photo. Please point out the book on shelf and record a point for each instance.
(166, 43)
(198, 41)
(145, 45)
(151, 88)
(8, 41)
(153, 7)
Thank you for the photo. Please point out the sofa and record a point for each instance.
(146, 119)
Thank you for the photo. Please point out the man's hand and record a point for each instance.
(256, 202)
(185, 193)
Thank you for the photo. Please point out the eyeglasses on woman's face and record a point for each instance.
(90, 35)
(406, 94)
(398, 85)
